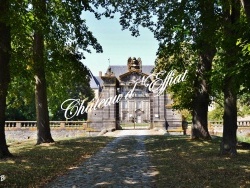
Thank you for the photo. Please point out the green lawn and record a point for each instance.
(33, 166)
(182, 162)
(244, 139)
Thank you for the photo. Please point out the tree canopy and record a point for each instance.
(48, 41)
(197, 35)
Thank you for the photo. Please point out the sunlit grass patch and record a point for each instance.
(33, 165)
(244, 139)
(182, 162)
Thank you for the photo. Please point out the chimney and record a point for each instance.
(100, 73)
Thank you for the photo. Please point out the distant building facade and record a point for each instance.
(140, 107)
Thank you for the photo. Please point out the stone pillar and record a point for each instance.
(111, 112)
(173, 117)
(151, 104)
(106, 117)
(159, 109)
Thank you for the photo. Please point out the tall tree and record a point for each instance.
(206, 47)
(5, 54)
(58, 32)
(65, 32)
(70, 78)
(42, 114)
(231, 15)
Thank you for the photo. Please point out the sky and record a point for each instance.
(118, 45)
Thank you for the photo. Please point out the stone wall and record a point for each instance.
(24, 130)
(25, 134)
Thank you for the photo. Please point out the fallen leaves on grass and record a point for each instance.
(182, 162)
(33, 166)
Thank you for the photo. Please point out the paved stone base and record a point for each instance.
(122, 163)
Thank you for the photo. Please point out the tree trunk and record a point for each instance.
(229, 139)
(207, 51)
(199, 128)
(5, 53)
(231, 16)
(42, 114)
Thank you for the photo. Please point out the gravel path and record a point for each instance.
(122, 163)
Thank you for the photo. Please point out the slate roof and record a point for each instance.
(117, 70)
(95, 81)
(121, 69)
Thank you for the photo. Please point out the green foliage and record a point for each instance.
(175, 23)
(186, 59)
(244, 105)
(70, 79)
(186, 115)
(25, 112)
(216, 114)
(243, 109)
(67, 38)
(244, 67)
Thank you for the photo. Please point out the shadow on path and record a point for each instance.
(122, 163)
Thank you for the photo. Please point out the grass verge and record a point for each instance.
(182, 162)
(34, 166)
(244, 139)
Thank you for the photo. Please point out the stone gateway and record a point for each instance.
(124, 97)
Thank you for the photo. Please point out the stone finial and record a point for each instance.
(134, 64)
(109, 72)
(130, 61)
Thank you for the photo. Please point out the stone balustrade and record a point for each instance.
(84, 124)
(216, 128)
(239, 123)
(23, 130)
(53, 124)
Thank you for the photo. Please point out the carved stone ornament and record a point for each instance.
(109, 72)
(134, 64)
